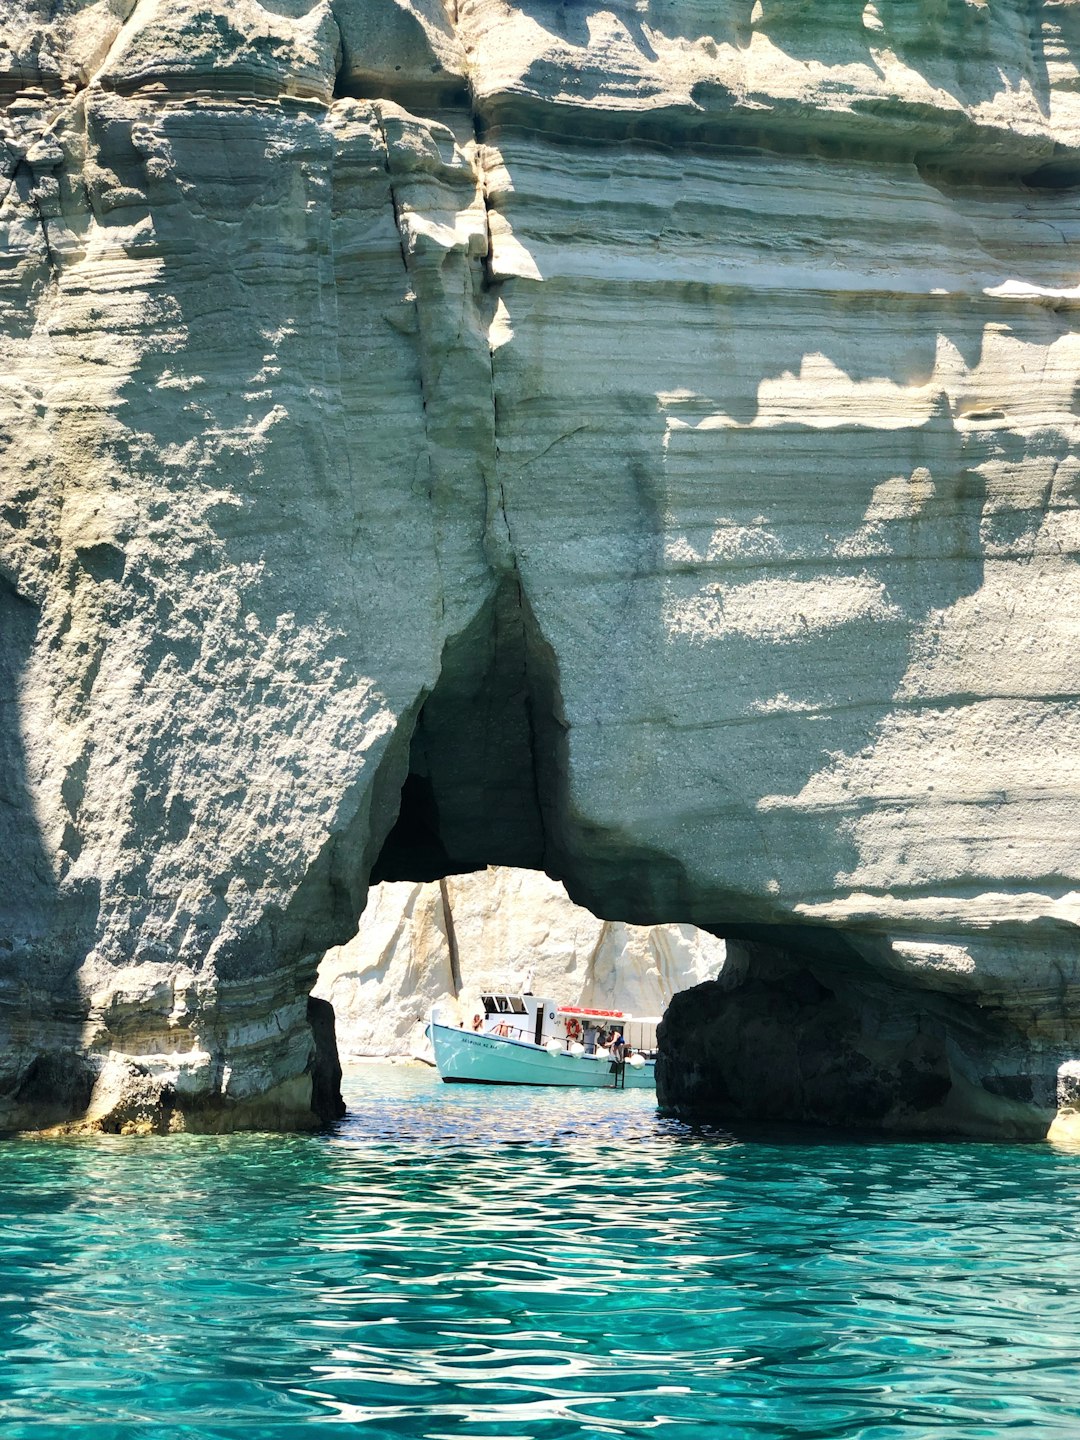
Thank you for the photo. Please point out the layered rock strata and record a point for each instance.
(633, 442)
(446, 943)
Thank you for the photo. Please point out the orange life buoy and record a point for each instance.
(573, 1029)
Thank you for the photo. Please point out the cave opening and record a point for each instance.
(780, 1022)
(788, 1025)
(473, 792)
(446, 943)
(467, 893)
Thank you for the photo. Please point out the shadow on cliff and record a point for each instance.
(734, 597)
(472, 796)
(970, 53)
(489, 779)
(805, 1031)
(44, 933)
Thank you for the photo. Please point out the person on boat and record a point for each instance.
(617, 1046)
(477, 1021)
(591, 1039)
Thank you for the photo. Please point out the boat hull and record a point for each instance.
(466, 1057)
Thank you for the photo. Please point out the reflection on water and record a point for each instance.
(456, 1261)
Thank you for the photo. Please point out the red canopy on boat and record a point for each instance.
(594, 1014)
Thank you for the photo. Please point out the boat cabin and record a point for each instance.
(539, 1021)
(518, 1017)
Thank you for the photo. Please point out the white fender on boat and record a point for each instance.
(637, 1061)
(577, 1049)
(601, 1053)
(554, 1047)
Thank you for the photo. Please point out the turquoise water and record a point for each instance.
(457, 1262)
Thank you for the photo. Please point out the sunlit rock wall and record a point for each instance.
(425, 945)
(646, 434)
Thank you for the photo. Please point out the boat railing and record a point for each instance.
(503, 1031)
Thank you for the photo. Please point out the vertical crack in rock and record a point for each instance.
(52, 260)
(395, 206)
(538, 687)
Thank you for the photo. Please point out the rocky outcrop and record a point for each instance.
(444, 944)
(787, 1035)
(636, 443)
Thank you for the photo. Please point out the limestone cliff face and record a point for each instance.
(446, 943)
(634, 442)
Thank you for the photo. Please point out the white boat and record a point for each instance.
(528, 1040)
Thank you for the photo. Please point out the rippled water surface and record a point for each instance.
(457, 1262)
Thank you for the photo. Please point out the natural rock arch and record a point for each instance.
(650, 456)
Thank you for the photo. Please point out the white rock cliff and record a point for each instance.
(636, 442)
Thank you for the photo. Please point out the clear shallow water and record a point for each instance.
(456, 1262)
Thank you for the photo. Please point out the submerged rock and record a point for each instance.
(637, 443)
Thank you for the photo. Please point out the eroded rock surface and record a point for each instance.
(634, 442)
(786, 1034)
(445, 943)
